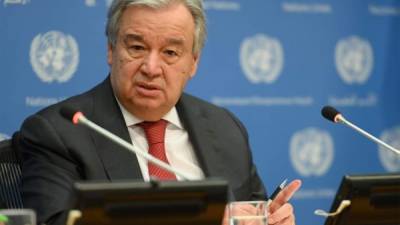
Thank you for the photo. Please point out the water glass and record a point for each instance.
(248, 213)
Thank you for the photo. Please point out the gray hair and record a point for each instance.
(194, 6)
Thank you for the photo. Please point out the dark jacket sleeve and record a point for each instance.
(254, 188)
(48, 171)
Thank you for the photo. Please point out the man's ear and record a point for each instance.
(196, 59)
(109, 53)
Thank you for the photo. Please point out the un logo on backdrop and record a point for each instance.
(21, 2)
(311, 151)
(54, 56)
(261, 58)
(354, 59)
(389, 159)
(4, 137)
(92, 3)
(108, 2)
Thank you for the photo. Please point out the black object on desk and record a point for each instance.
(152, 203)
(373, 199)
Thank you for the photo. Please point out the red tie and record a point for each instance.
(155, 133)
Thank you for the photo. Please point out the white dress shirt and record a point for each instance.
(179, 150)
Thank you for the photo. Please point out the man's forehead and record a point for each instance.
(170, 15)
(139, 37)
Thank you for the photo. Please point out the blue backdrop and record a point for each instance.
(273, 63)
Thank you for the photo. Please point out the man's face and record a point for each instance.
(152, 59)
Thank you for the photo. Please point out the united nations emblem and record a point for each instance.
(389, 159)
(90, 3)
(108, 2)
(54, 56)
(21, 2)
(311, 151)
(354, 59)
(261, 58)
(4, 137)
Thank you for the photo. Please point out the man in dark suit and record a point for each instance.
(154, 49)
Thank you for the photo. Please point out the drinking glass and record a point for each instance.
(248, 213)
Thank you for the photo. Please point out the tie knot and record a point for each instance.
(155, 131)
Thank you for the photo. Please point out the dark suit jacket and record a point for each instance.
(56, 153)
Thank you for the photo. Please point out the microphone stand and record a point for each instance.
(341, 119)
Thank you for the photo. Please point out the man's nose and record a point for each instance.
(152, 65)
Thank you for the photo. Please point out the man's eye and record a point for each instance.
(136, 47)
(170, 52)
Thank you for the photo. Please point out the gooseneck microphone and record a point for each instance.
(77, 117)
(335, 116)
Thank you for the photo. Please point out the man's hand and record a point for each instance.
(244, 210)
(280, 211)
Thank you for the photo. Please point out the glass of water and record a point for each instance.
(248, 213)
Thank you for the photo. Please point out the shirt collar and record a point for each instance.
(130, 120)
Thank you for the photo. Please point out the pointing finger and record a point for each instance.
(285, 195)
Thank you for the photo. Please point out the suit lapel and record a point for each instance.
(201, 134)
(119, 163)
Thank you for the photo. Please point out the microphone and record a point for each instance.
(77, 117)
(335, 116)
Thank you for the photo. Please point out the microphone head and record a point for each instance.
(330, 113)
(70, 113)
